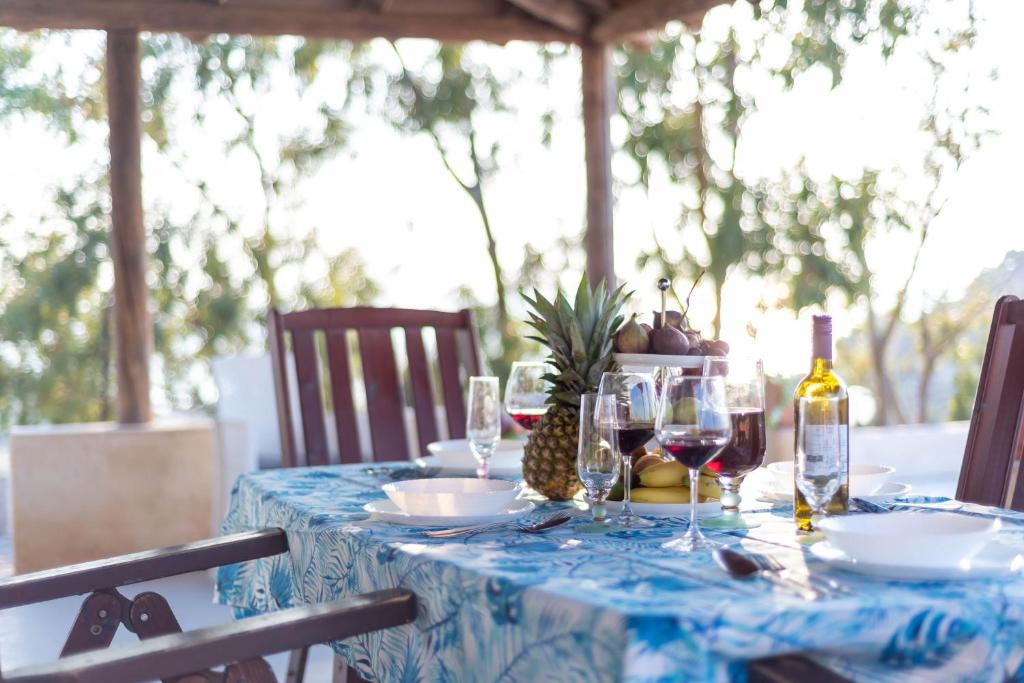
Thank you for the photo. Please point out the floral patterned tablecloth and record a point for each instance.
(568, 605)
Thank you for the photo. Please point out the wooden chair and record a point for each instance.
(996, 437)
(327, 330)
(168, 654)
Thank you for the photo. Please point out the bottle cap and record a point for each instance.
(821, 340)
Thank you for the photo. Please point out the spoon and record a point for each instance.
(549, 523)
(739, 566)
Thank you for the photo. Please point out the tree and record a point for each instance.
(686, 98)
(55, 327)
(824, 231)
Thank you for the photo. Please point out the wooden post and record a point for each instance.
(598, 101)
(128, 238)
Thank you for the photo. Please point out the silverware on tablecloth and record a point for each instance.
(771, 564)
(554, 520)
(867, 506)
(740, 566)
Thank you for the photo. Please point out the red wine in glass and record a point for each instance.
(528, 419)
(696, 451)
(745, 451)
(633, 436)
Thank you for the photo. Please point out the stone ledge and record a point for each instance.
(88, 491)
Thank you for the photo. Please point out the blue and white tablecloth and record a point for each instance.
(574, 606)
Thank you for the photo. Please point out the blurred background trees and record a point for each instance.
(284, 107)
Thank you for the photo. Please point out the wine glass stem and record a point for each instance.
(730, 494)
(627, 475)
(482, 470)
(694, 531)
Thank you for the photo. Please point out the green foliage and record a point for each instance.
(55, 323)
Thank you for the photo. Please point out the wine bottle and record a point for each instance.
(823, 382)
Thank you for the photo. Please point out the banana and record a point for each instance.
(663, 474)
(664, 494)
(708, 487)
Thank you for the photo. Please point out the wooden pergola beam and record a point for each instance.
(648, 15)
(598, 105)
(312, 20)
(565, 14)
(133, 323)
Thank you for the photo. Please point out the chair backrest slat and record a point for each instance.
(341, 393)
(451, 386)
(422, 391)
(279, 370)
(994, 439)
(384, 405)
(382, 378)
(307, 373)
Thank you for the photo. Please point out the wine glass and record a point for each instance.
(632, 417)
(483, 420)
(693, 427)
(744, 392)
(819, 452)
(526, 393)
(598, 464)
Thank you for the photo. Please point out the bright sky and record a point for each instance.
(389, 196)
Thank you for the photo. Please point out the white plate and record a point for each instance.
(892, 489)
(386, 511)
(498, 468)
(667, 509)
(995, 560)
(455, 454)
(865, 479)
(654, 360)
(452, 496)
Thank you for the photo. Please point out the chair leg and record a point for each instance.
(297, 665)
(343, 673)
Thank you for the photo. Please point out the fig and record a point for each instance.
(673, 318)
(670, 341)
(632, 338)
(692, 337)
(647, 327)
(718, 348)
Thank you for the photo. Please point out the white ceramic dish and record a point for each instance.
(934, 539)
(386, 511)
(452, 496)
(497, 469)
(995, 560)
(455, 454)
(667, 509)
(865, 480)
(654, 360)
(889, 490)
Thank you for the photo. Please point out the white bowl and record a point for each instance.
(456, 454)
(930, 539)
(452, 496)
(865, 480)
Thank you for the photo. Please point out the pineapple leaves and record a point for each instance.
(578, 336)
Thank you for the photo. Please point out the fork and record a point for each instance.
(823, 583)
(554, 520)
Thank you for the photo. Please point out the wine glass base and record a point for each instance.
(632, 522)
(729, 522)
(595, 527)
(688, 544)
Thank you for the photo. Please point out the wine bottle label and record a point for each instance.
(827, 449)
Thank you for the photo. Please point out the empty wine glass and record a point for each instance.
(744, 392)
(819, 451)
(632, 417)
(483, 420)
(526, 393)
(598, 463)
(693, 427)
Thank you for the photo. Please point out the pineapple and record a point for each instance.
(579, 337)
